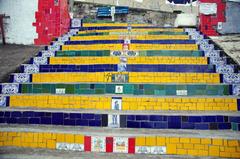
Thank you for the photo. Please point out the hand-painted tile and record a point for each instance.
(98, 144)
(120, 145)
(116, 104)
(113, 120)
(9, 88)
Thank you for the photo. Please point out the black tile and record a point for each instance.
(123, 121)
(226, 119)
(184, 118)
(104, 120)
(92, 86)
(213, 126)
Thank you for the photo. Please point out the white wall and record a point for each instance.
(19, 29)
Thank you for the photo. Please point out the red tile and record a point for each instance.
(87, 143)
(109, 144)
(131, 145)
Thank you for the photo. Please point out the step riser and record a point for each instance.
(215, 147)
(213, 122)
(131, 89)
(121, 103)
(122, 77)
(125, 68)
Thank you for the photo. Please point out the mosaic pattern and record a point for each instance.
(10, 88)
(21, 78)
(40, 60)
(233, 78)
(3, 101)
(47, 53)
(225, 69)
(30, 69)
(236, 90)
(70, 147)
(76, 22)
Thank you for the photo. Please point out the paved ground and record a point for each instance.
(12, 56)
(230, 44)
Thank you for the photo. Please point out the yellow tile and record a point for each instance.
(161, 141)
(193, 152)
(195, 140)
(79, 139)
(171, 149)
(60, 138)
(51, 144)
(206, 141)
(217, 142)
(69, 138)
(151, 141)
(233, 143)
(182, 152)
(174, 140)
(188, 146)
(214, 151)
(140, 141)
(199, 147)
(203, 153)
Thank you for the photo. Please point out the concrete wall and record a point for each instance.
(19, 28)
(157, 5)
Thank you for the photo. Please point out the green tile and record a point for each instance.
(99, 91)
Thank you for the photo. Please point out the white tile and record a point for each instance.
(113, 120)
(120, 144)
(119, 89)
(98, 144)
(182, 92)
(158, 150)
(143, 149)
(116, 104)
(60, 91)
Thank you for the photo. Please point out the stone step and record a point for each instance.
(123, 119)
(122, 102)
(123, 77)
(171, 142)
(86, 37)
(119, 88)
(169, 68)
(171, 53)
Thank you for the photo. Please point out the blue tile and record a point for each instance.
(95, 123)
(87, 116)
(186, 125)
(28, 114)
(194, 119)
(235, 119)
(34, 120)
(57, 118)
(82, 123)
(201, 126)
(75, 116)
(224, 125)
(174, 122)
(131, 117)
(147, 125)
(160, 125)
(142, 117)
(132, 124)
(2, 120)
(16, 114)
(156, 118)
(11, 120)
(220, 119)
(98, 117)
(238, 104)
(46, 120)
(39, 114)
(1, 114)
(22, 120)
(69, 122)
(7, 114)
(209, 118)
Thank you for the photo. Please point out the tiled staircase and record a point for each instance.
(122, 88)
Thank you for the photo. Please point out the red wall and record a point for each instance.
(52, 20)
(208, 23)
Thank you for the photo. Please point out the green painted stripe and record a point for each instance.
(82, 53)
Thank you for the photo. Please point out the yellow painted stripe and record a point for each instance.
(130, 60)
(133, 47)
(143, 37)
(128, 103)
(134, 77)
